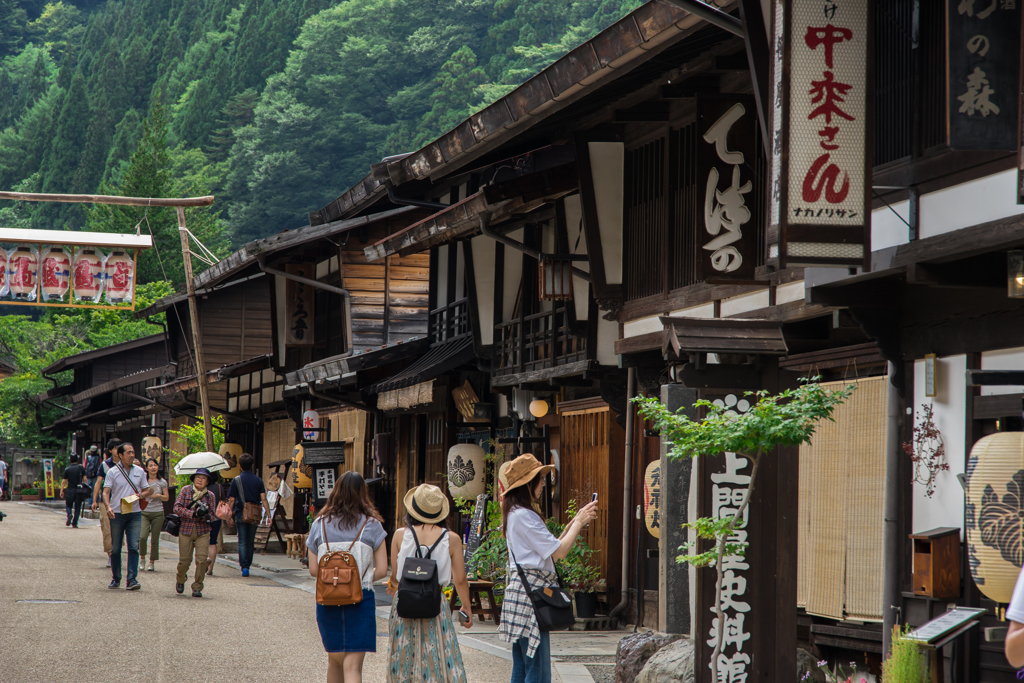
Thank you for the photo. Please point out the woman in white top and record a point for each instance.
(426, 650)
(535, 549)
(348, 632)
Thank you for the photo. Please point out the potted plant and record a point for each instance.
(30, 494)
(578, 570)
(906, 663)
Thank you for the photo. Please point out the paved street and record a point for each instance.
(255, 628)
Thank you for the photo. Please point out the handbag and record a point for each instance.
(551, 604)
(251, 512)
(142, 501)
(223, 511)
(172, 524)
(419, 593)
(338, 579)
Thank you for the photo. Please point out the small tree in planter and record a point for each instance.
(578, 569)
(786, 419)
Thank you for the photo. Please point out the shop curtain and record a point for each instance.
(842, 501)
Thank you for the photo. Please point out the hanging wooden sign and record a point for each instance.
(983, 87)
(299, 307)
(820, 195)
(726, 151)
(652, 498)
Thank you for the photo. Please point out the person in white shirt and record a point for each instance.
(124, 486)
(1014, 644)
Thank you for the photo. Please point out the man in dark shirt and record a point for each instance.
(74, 474)
(251, 490)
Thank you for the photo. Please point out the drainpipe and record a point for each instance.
(485, 229)
(890, 589)
(341, 402)
(261, 260)
(627, 493)
(405, 201)
(167, 342)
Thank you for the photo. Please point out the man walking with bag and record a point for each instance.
(70, 485)
(97, 496)
(245, 490)
(125, 490)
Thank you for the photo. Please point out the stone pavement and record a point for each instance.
(62, 623)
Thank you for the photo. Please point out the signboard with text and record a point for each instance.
(820, 193)
(299, 305)
(726, 155)
(983, 83)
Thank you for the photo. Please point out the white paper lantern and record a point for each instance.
(23, 273)
(119, 273)
(467, 475)
(56, 273)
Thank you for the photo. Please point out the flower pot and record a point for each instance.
(586, 605)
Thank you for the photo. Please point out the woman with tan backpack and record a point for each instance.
(347, 532)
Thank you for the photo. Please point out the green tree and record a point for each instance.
(12, 26)
(61, 161)
(785, 419)
(60, 27)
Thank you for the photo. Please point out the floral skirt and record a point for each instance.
(424, 650)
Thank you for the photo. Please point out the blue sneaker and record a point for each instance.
(245, 571)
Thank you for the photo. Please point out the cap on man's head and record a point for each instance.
(94, 447)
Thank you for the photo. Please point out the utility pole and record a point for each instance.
(197, 344)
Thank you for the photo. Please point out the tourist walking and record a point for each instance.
(535, 549)
(246, 488)
(217, 489)
(97, 499)
(72, 479)
(153, 515)
(93, 462)
(349, 519)
(3, 477)
(124, 486)
(196, 506)
(426, 650)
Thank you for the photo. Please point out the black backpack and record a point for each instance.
(419, 593)
(92, 465)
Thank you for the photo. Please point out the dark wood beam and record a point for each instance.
(759, 58)
(701, 84)
(646, 112)
(720, 376)
(736, 62)
(995, 378)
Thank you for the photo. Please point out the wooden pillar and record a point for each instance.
(197, 343)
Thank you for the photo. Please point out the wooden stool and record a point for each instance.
(476, 588)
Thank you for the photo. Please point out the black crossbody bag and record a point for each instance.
(551, 604)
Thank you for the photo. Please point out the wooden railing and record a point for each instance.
(450, 322)
(538, 342)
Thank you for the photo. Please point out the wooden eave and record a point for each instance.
(332, 369)
(88, 356)
(128, 380)
(559, 371)
(710, 335)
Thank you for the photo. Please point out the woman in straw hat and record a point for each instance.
(426, 650)
(348, 632)
(535, 549)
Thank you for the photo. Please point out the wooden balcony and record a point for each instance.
(450, 322)
(539, 347)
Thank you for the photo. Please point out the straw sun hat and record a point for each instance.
(523, 469)
(427, 503)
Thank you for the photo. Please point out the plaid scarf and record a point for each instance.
(518, 619)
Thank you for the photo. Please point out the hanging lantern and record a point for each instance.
(118, 272)
(23, 272)
(1015, 273)
(466, 471)
(88, 274)
(231, 452)
(555, 280)
(302, 475)
(3, 273)
(539, 407)
(56, 274)
(995, 507)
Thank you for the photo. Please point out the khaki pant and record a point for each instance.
(152, 523)
(200, 545)
(105, 525)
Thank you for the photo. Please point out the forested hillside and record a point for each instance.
(275, 106)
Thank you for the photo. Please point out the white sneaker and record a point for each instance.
(108, 561)
(150, 567)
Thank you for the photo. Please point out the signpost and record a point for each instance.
(48, 478)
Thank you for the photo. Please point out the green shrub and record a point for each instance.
(906, 662)
(30, 492)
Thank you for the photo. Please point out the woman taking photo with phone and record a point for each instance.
(535, 549)
(349, 522)
(426, 650)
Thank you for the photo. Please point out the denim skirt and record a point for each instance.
(349, 628)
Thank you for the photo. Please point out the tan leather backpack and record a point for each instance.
(338, 579)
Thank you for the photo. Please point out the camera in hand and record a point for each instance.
(201, 512)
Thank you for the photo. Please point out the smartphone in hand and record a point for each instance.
(463, 617)
(593, 498)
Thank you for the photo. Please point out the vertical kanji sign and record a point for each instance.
(299, 305)
(726, 158)
(821, 147)
(983, 77)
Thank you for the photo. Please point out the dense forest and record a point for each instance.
(275, 106)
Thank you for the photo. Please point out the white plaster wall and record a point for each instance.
(702, 311)
(978, 201)
(789, 292)
(946, 506)
(513, 276)
(635, 328)
(1004, 359)
(887, 230)
(606, 163)
(607, 333)
(483, 272)
(736, 305)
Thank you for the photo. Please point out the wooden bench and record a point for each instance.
(476, 590)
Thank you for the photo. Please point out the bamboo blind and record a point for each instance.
(278, 444)
(842, 488)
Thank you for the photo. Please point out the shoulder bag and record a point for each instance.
(172, 524)
(551, 604)
(419, 592)
(338, 579)
(142, 501)
(251, 512)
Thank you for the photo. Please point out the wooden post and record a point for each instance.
(196, 340)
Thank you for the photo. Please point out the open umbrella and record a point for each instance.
(190, 463)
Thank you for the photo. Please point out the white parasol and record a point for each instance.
(190, 463)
